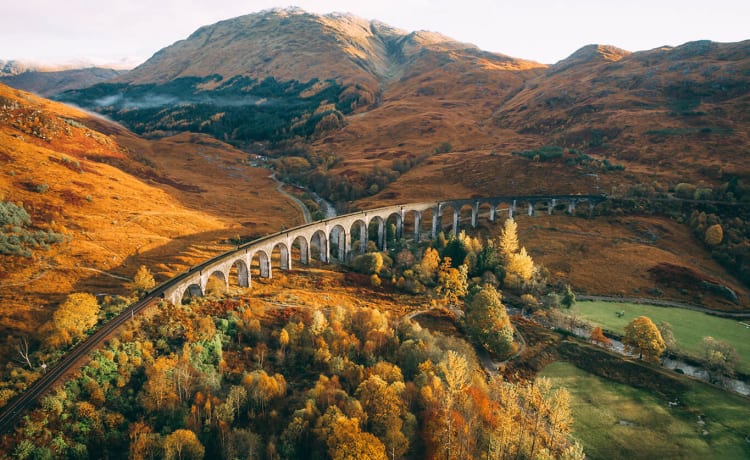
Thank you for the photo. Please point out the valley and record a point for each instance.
(159, 238)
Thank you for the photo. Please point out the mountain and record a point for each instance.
(684, 107)
(430, 115)
(50, 82)
(281, 74)
(101, 202)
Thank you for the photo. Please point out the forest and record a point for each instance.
(239, 110)
(229, 375)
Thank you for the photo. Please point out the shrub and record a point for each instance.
(370, 263)
(545, 153)
(714, 235)
(685, 190)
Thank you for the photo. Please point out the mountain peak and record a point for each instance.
(593, 53)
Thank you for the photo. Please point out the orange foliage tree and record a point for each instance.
(598, 337)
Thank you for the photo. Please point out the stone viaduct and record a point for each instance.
(332, 239)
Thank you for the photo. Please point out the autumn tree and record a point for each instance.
(384, 406)
(452, 282)
(346, 440)
(508, 240)
(598, 337)
(519, 266)
(642, 336)
(487, 321)
(714, 235)
(455, 373)
(143, 441)
(428, 267)
(143, 281)
(262, 388)
(665, 329)
(183, 444)
(77, 314)
(160, 390)
(719, 357)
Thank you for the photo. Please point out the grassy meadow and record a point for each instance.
(689, 326)
(617, 421)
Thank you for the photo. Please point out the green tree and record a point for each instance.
(370, 263)
(642, 336)
(568, 298)
(487, 321)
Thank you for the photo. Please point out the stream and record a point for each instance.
(735, 385)
(326, 206)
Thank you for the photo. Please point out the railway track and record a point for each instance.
(16, 407)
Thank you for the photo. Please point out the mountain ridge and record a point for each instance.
(375, 96)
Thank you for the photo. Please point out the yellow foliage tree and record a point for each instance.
(346, 441)
(183, 444)
(74, 317)
(508, 240)
(142, 281)
(160, 390)
(521, 265)
(452, 282)
(642, 336)
(714, 235)
(428, 267)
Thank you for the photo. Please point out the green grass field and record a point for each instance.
(617, 421)
(689, 326)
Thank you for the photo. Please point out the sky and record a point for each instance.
(125, 33)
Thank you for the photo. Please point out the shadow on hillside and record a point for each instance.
(164, 261)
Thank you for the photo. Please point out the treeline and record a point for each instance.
(572, 157)
(239, 110)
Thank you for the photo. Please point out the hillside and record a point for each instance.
(113, 202)
(50, 82)
(438, 116)
(366, 115)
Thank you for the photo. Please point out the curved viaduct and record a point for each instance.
(310, 240)
(340, 238)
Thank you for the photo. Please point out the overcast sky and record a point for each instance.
(130, 31)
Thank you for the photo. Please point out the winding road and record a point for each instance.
(280, 188)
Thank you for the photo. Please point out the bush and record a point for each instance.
(714, 235)
(370, 263)
(545, 153)
(685, 190)
(15, 238)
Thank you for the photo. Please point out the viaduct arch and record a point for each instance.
(338, 233)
